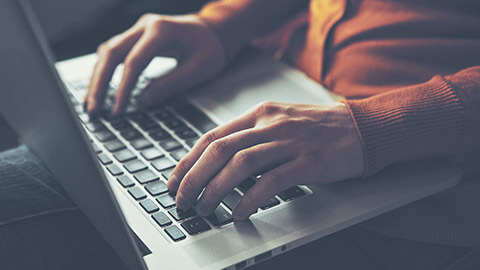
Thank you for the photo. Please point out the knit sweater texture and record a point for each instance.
(410, 73)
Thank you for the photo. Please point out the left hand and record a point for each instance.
(295, 144)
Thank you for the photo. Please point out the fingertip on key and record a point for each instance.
(91, 106)
(180, 202)
(171, 183)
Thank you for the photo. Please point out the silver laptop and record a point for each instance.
(115, 169)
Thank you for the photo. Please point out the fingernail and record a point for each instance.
(173, 178)
(91, 106)
(201, 209)
(116, 110)
(180, 201)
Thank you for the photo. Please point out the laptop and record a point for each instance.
(115, 169)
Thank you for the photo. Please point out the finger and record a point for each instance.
(211, 161)
(240, 123)
(271, 183)
(243, 164)
(186, 74)
(136, 61)
(110, 55)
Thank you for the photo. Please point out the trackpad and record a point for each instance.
(243, 236)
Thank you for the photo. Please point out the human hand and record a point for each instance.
(296, 144)
(198, 52)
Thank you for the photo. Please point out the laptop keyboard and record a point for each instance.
(141, 148)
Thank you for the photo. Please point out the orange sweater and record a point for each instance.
(410, 70)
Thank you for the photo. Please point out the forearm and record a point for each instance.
(439, 117)
(236, 22)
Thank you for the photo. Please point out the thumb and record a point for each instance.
(180, 78)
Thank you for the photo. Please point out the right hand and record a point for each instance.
(198, 51)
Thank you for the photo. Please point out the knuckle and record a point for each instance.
(160, 23)
(244, 159)
(110, 51)
(267, 107)
(218, 147)
(209, 138)
(146, 17)
(100, 48)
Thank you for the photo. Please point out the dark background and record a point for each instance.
(116, 20)
(85, 34)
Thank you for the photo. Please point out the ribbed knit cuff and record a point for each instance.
(418, 121)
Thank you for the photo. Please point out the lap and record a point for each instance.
(41, 228)
(358, 248)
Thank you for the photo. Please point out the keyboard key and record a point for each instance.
(162, 164)
(170, 144)
(137, 193)
(163, 115)
(149, 206)
(139, 116)
(147, 124)
(291, 193)
(146, 176)
(220, 217)
(159, 134)
(124, 155)
(96, 149)
(246, 185)
(94, 126)
(195, 117)
(104, 159)
(166, 201)
(156, 188)
(125, 181)
(185, 133)
(161, 219)
(130, 134)
(191, 142)
(85, 118)
(141, 143)
(104, 135)
(178, 154)
(232, 199)
(120, 124)
(174, 123)
(166, 173)
(151, 153)
(114, 170)
(114, 145)
(135, 166)
(195, 225)
(178, 214)
(270, 203)
(175, 233)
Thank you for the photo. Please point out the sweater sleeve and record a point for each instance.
(236, 22)
(439, 117)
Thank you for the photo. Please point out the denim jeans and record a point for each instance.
(41, 228)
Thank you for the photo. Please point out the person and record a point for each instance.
(410, 75)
